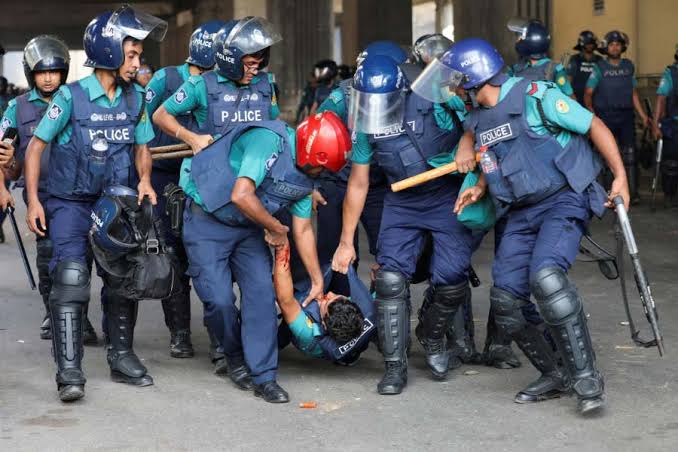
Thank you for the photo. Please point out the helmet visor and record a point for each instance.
(252, 34)
(432, 47)
(438, 82)
(375, 112)
(48, 50)
(139, 25)
(518, 25)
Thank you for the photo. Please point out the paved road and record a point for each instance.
(189, 408)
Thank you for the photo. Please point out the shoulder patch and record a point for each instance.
(54, 112)
(180, 96)
(337, 96)
(561, 81)
(150, 94)
(537, 89)
(6, 124)
(562, 106)
(271, 160)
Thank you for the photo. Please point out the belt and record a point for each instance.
(195, 207)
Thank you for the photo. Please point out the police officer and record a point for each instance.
(326, 73)
(97, 124)
(207, 105)
(164, 83)
(532, 46)
(666, 115)
(46, 62)
(406, 134)
(547, 199)
(582, 64)
(611, 94)
(235, 187)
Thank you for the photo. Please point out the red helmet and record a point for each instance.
(323, 140)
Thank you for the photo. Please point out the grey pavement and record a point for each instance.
(189, 408)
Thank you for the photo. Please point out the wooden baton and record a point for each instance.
(426, 176)
(172, 155)
(170, 148)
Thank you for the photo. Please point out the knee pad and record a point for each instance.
(628, 155)
(557, 297)
(391, 285)
(451, 295)
(70, 283)
(508, 311)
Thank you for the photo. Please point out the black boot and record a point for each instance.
(563, 312)
(445, 302)
(89, 334)
(125, 365)
(239, 373)
(216, 352)
(393, 322)
(498, 351)
(177, 311)
(530, 339)
(46, 325)
(271, 392)
(461, 336)
(70, 292)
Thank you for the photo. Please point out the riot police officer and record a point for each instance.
(547, 200)
(46, 62)
(406, 134)
(666, 114)
(581, 65)
(97, 124)
(532, 46)
(611, 94)
(207, 105)
(235, 187)
(164, 83)
(326, 72)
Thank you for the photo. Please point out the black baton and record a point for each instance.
(20, 243)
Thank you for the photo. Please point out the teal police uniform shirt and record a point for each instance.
(248, 157)
(665, 87)
(362, 149)
(559, 75)
(156, 87)
(305, 330)
(9, 117)
(596, 76)
(59, 126)
(335, 102)
(559, 110)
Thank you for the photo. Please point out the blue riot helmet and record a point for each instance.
(238, 38)
(586, 37)
(387, 48)
(105, 34)
(534, 39)
(377, 95)
(470, 63)
(614, 36)
(428, 47)
(45, 53)
(201, 45)
(113, 230)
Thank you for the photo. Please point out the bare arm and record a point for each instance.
(302, 230)
(144, 165)
(354, 201)
(282, 282)
(659, 109)
(5, 196)
(314, 108)
(35, 215)
(638, 106)
(171, 126)
(245, 198)
(465, 156)
(607, 147)
(588, 99)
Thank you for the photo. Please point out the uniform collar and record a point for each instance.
(95, 90)
(33, 95)
(222, 79)
(540, 62)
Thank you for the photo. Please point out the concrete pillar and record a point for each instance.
(306, 27)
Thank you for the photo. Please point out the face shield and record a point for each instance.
(375, 112)
(438, 82)
(252, 34)
(518, 25)
(432, 47)
(48, 52)
(126, 21)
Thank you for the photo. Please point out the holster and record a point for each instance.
(174, 207)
